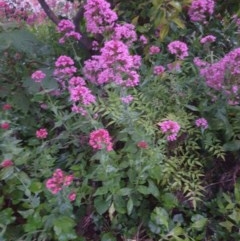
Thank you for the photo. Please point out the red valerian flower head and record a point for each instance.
(6, 107)
(6, 163)
(58, 180)
(100, 139)
(142, 144)
(5, 125)
(41, 133)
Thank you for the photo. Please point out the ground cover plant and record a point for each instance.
(119, 120)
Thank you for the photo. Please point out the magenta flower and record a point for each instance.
(56, 183)
(81, 94)
(5, 125)
(6, 163)
(178, 48)
(72, 196)
(208, 39)
(154, 50)
(142, 144)
(64, 67)
(64, 61)
(127, 99)
(99, 17)
(100, 139)
(38, 76)
(125, 33)
(158, 70)
(200, 10)
(65, 26)
(143, 39)
(115, 64)
(6, 107)
(201, 122)
(171, 128)
(76, 80)
(41, 133)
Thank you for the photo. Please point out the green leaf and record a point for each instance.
(26, 213)
(120, 204)
(235, 216)
(101, 191)
(24, 41)
(34, 222)
(64, 228)
(6, 172)
(153, 189)
(176, 5)
(199, 222)
(169, 200)
(108, 237)
(179, 22)
(160, 217)
(192, 107)
(6, 216)
(228, 225)
(21, 101)
(124, 191)
(232, 146)
(129, 206)
(164, 31)
(144, 190)
(101, 204)
(36, 187)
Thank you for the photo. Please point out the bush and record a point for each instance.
(135, 138)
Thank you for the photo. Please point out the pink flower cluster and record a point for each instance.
(201, 122)
(64, 67)
(67, 27)
(6, 163)
(42, 133)
(5, 125)
(115, 64)
(125, 33)
(38, 76)
(154, 50)
(80, 95)
(143, 39)
(208, 39)
(158, 70)
(127, 99)
(100, 139)
(171, 128)
(223, 75)
(58, 181)
(178, 48)
(142, 144)
(99, 17)
(6, 107)
(200, 10)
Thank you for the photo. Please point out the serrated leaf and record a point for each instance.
(101, 204)
(6, 172)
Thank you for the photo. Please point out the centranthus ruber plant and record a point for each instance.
(119, 120)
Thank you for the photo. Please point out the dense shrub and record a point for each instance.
(121, 123)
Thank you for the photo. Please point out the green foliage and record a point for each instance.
(163, 190)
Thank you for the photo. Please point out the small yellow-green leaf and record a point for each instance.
(163, 32)
(135, 20)
(179, 22)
